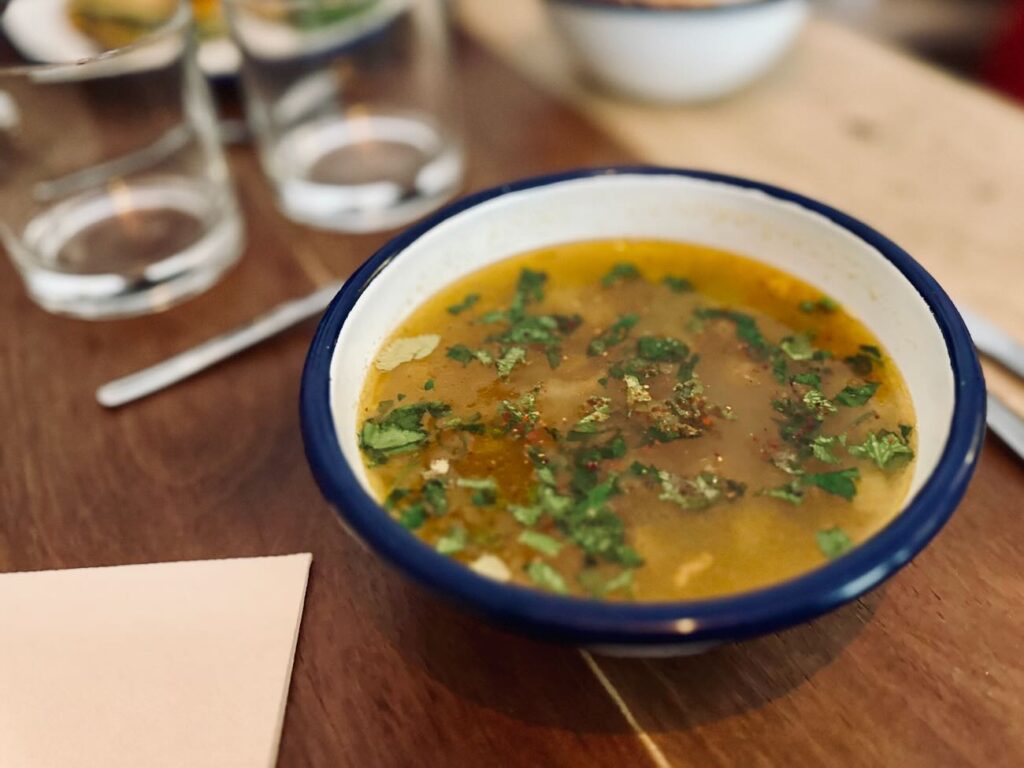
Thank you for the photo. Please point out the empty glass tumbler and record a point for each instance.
(114, 194)
(353, 107)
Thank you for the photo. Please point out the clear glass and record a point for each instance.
(353, 107)
(114, 194)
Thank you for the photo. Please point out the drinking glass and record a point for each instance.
(114, 194)
(352, 106)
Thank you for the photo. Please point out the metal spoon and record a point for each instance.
(190, 362)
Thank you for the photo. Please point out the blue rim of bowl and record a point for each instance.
(639, 6)
(593, 622)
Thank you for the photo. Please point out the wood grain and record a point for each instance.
(923, 672)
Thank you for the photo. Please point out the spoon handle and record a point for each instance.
(190, 362)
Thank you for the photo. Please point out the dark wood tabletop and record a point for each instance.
(924, 671)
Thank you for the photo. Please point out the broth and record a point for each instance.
(636, 420)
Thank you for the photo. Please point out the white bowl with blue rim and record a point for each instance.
(677, 54)
(872, 277)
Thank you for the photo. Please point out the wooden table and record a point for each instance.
(925, 671)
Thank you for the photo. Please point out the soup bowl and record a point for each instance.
(872, 277)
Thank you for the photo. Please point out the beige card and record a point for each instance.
(148, 666)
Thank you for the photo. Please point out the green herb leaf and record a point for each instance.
(661, 349)
(543, 575)
(824, 304)
(618, 273)
(453, 541)
(412, 517)
(466, 303)
(791, 492)
(513, 356)
(797, 347)
(400, 431)
(435, 496)
(818, 404)
(678, 284)
(485, 490)
(833, 542)
(428, 385)
(541, 542)
(822, 447)
(808, 379)
(865, 360)
(614, 335)
(463, 354)
(599, 411)
(593, 582)
(839, 483)
(527, 515)
(852, 396)
(883, 447)
(747, 329)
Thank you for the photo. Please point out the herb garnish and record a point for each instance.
(693, 493)
(833, 542)
(466, 303)
(543, 575)
(678, 284)
(541, 542)
(428, 385)
(865, 360)
(400, 431)
(614, 334)
(884, 447)
(453, 541)
(824, 304)
(853, 396)
(840, 483)
(618, 273)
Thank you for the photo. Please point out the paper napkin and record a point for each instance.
(148, 666)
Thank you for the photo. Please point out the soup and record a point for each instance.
(638, 420)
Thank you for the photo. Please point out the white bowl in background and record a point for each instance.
(677, 54)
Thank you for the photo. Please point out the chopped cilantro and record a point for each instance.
(822, 447)
(466, 303)
(661, 349)
(463, 354)
(808, 379)
(618, 273)
(747, 329)
(540, 542)
(693, 493)
(824, 304)
(520, 415)
(883, 447)
(527, 515)
(833, 542)
(412, 517)
(818, 404)
(400, 431)
(592, 580)
(797, 347)
(842, 482)
(428, 385)
(453, 541)
(400, 397)
(853, 396)
(543, 575)
(865, 360)
(613, 335)
(513, 356)
(678, 284)
(791, 492)
(599, 411)
(485, 490)
(603, 381)
(396, 495)
(435, 497)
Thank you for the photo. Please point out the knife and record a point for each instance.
(1003, 348)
